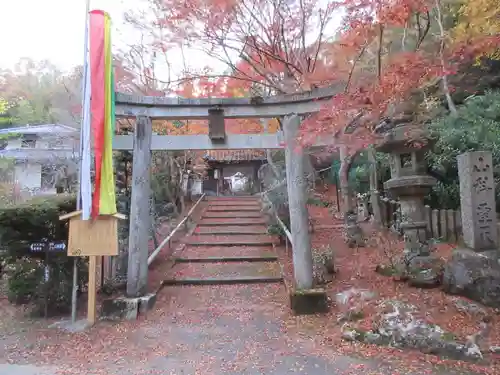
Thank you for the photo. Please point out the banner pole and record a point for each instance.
(74, 294)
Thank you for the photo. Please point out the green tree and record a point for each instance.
(40, 93)
(476, 127)
(29, 111)
(5, 118)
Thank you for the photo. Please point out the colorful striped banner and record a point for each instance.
(103, 113)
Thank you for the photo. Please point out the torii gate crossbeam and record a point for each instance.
(184, 109)
(203, 142)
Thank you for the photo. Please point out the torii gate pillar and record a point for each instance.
(140, 216)
(296, 179)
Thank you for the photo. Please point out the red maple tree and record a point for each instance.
(381, 53)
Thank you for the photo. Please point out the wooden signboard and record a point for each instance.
(97, 237)
(92, 238)
(216, 125)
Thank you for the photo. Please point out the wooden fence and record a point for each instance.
(443, 224)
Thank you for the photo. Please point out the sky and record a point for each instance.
(48, 29)
(54, 30)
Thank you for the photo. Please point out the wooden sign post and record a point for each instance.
(92, 238)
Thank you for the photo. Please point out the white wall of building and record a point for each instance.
(197, 187)
(43, 144)
(13, 144)
(28, 175)
(230, 170)
(50, 143)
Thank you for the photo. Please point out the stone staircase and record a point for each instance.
(229, 245)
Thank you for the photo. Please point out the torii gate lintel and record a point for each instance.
(167, 108)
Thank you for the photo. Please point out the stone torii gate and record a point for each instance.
(291, 108)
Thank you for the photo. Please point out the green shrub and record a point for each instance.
(277, 230)
(476, 127)
(38, 221)
(359, 172)
(34, 221)
(23, 277)
(317, 202)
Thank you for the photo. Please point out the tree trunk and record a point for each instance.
(446, 88)
(374, 194)
(171, 196)
(180, 179)
(265, 125)
(354, 235)
(345, 191)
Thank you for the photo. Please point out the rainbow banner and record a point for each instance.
(102, 107)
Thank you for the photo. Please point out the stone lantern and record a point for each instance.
(410, 183)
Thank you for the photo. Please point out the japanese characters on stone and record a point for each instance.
(483, 189)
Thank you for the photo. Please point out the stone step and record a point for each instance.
(232, 229)
(230, 240)
(219, 259)
(253, 208)
(232, 221)
(247, 198)
(225, 251)
(250, 296)
(240, 214)
(223, 281)
(234, 203)
(224, 271)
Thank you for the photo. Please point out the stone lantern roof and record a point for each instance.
(402, 138)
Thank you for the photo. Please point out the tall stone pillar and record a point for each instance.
(474, 270)
(296, 179)
(477, 200)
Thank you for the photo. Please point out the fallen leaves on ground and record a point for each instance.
(356, 269)
(189, 323)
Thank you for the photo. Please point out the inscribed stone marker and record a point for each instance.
(477, 200)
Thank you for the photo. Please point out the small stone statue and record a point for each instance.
(354, 234)
(323, 267)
